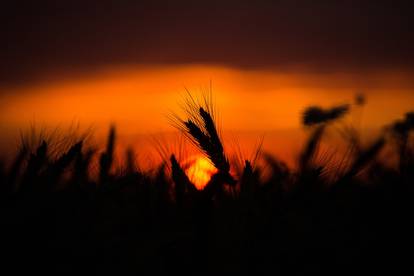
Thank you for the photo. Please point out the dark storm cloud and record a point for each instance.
(45, 38)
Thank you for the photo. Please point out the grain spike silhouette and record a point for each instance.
(207, 139)
(107, 157)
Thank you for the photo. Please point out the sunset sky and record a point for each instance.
(129, 63)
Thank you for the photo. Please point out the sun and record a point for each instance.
(200, 171)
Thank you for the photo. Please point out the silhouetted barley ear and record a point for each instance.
(313, 115)
(365, 157)
(209, 142)
(247, 180)
(178, 173)
(400, 131)
(107, 157)
(311, 148)
(181, 181)
(337, 112)
(56, 169)
(38, 159)
(130, 161)
(316, 115)
(200, 139)
(204, 143)
(201, 129)
(400, 128)
(111, 141)
(211, 129)
(409, 119)
(247, 170)
(68, 157)
(35, 163)
(216, 154)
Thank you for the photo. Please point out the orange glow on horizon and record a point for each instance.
(259, 100)
(256, 102)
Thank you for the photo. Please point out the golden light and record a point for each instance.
(200, 171)
(251, 103)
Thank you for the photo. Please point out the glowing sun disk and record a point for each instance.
(200, 172)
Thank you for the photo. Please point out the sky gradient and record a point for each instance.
(129, 62)
(46, 39)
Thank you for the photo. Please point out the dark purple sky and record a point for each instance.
(41, 38)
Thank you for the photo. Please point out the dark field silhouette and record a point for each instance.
(70, 212)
